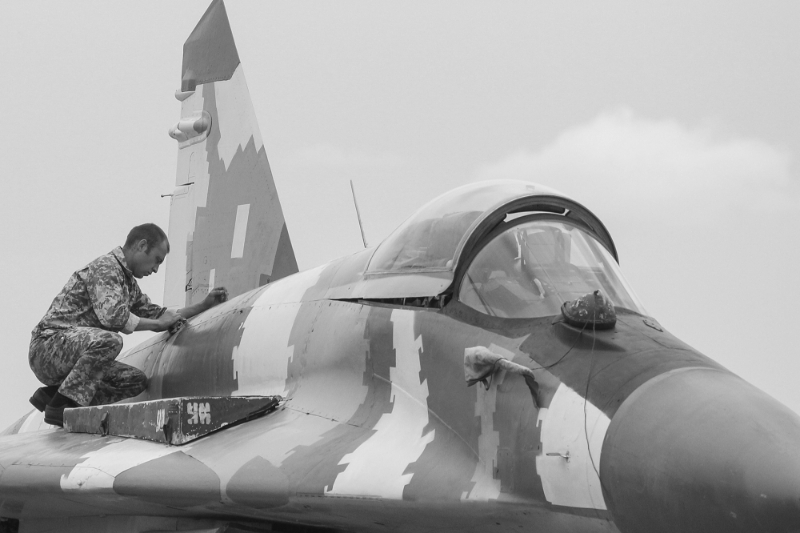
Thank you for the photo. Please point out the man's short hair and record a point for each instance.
(149, 232)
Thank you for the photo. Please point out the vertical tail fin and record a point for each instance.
(226, 225)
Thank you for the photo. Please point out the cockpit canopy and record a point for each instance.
(531, 266)
(432, 239)
(430, 253)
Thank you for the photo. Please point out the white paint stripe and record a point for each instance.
(192, 167)
(236, 118)
(240, 230)
(291, 288)
(486, 486)
(376, 468)
(573, 482)
(211, 275)
(260, 361)
(100, 467)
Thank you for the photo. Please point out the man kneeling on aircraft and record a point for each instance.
(74, 347)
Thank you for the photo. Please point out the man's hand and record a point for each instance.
(216, 296)
(177, 326)
(167, 319)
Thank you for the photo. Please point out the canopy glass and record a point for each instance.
(530, 269)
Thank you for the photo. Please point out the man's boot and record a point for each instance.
(54, 412)
(43, 396)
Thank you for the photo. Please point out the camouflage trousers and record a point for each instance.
(82, 361)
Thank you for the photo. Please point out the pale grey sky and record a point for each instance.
(677, 123)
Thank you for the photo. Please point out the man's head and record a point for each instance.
(145, 249)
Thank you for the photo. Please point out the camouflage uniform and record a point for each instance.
(76, 343)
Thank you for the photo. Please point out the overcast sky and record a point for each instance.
(676, 122)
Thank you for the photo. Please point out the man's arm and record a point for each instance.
(170, 317)
(161, 323)
(162, 318)
(215, 297)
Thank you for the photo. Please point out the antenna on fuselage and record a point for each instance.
(358, 214)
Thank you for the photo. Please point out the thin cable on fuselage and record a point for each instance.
(565, 354)
(586, 400)
(585, 416)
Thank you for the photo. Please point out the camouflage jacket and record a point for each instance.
(103, 294)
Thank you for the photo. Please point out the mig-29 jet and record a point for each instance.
(585, 414)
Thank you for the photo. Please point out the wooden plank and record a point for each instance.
(171, 420)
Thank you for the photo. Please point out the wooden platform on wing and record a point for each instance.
(169, 421)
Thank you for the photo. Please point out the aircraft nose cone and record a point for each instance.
(700, 450)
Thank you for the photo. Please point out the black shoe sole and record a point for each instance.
(41, 398)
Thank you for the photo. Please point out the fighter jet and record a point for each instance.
(484, 368)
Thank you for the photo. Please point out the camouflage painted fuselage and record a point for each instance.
(630, 430)
(379, 428)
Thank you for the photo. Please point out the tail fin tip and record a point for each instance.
(209, 54)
